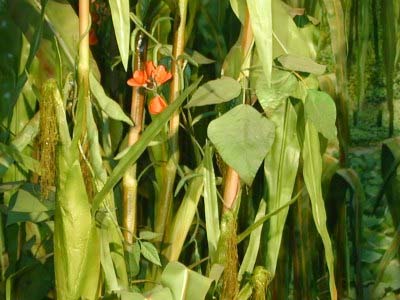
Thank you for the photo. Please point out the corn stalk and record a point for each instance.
(129, 181)
(164, 205)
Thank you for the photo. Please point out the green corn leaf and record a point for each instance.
(211, 204)
(239, 8)
(110, 277)
(343, 181)
(312, 172)
(261, 24)
(12, 154)
(362, 48)
(320, 109)
(280, 169)
(215, 92)
(245, 292)
(114, 235)
(14, 217)
(185, 283)
(23, 139)
(13, 277)
(242, 137)
(121, 22)
(107, 105)
(183, 218)
(338, 41)
(62, 24)
(27, 200)
(389, 53)
(135, 151)
(250, 256)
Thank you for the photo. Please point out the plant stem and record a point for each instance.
(129, 181)
(83, 65)
(169, 169)
(227, 244)
(231, 188)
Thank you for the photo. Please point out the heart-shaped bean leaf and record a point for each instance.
(243, 138)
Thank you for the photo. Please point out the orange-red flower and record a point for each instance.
(152, 75)
(157, 105)
(139, 79)
(150, 68)
(159, 74)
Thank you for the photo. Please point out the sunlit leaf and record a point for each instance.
(211, 204)
(242, 137)
(312, 172)
(320, 109)
(251, 254)
(261, 24)
(149, 251)
(215, 92)
(121, 22)
(287, 38)
(280, 169)
(283, 85)
(184, 217)
(185, 283)
(110, 276)
(27, 161)
(108, 105)
(301, 64)
(28, 201)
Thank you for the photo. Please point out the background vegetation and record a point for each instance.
(199, 149)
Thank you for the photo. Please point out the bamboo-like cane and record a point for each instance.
(163, 210)
(129, 181)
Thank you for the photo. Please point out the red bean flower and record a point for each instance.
(152, 76)
(157, 105)
(159, 74)
(139, 79)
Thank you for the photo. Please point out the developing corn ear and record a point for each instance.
(228, 256)
(261, 280)
(47, 139)
(76, 251)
